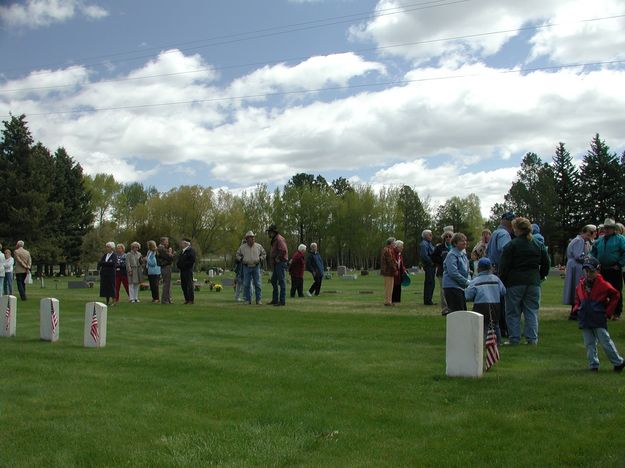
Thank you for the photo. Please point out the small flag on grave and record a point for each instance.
(492, 351)
(94, 325)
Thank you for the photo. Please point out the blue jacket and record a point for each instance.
(153, 268)
(497, 242)
(456, 269)
(314, 263)
(609, 251)
(426, 249)
(485, 288)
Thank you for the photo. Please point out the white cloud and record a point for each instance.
(37, 13)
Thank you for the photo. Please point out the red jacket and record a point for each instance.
(297, 265)
(595, 305)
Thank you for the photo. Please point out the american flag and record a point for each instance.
(94, 326)
(54, 318)
(492, 352)
(7, 316)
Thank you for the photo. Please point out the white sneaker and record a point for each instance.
(308, 294)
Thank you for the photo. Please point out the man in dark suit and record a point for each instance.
(185, 264)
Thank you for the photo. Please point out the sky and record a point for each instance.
(446, 96)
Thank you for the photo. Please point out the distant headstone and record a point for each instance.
(366, 292)
(95, 325)
(8, 315)
(77, 284)
(211, 273)
(350, 277)
(364, 272)
(341, 270)
(465, 344)
(227, 282)
(49, 319)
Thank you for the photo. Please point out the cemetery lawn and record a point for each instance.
(336, 380)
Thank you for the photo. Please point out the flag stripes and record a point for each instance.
(95, 334)
(492, 351)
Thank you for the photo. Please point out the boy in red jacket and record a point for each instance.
(595, 301)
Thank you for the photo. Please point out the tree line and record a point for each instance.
(66, 217)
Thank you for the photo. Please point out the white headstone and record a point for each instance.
(211, 274)
(95, 325)
(465, 344)
(341, 270)
(49, 319)
(8, 315)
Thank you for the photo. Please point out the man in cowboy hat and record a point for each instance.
(251, 254)
(279, 259)
(609, 250)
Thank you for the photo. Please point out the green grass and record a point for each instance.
(337, 380)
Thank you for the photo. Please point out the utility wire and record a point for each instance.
(332, 88)
(267, 32)
(357, 51)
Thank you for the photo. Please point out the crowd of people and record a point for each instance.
(15, 265)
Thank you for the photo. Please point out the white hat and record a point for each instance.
(250, 234)
(609, 223)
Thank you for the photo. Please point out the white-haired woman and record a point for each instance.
(107, 265)
(134, 267)
(297, 266)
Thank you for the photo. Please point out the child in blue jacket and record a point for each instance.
(486, 291)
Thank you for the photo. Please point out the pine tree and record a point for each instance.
(567, 195)
(601, 176)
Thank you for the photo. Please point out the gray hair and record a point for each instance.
(110, 245)
(390, 241)
(399, 243)
(301, 248)
(425, 233)
(20, 243)
(135, 243)
(313, 243)
(163, 239)
(122, 246)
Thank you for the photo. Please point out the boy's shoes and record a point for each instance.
(620, 367)
(308, 294)
(594, 369)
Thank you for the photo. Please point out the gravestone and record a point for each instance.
(95, 325)
(341, 270)
(366, 292)
(227, 282)
(77, 284)
(211, 273)
(350, 277)
(8, 313)
(465, 344)
(49, 319)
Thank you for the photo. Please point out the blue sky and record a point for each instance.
(231, 94)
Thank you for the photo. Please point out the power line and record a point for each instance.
(371, 49)
(332, 88)
(267, 32)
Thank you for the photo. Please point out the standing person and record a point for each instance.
(297, 266)
(401, 270)
(487, 293)
(523, 264)
(576, 254)
(500, 238)
(134, 266)
(280, 260)
(121, 274)
(314, 264)
(537, 235)
(251, 254)
(9, 261)
(185, 264)
(23, 264)
(388, 268)
(456, 274)
(610, 251)
(154, 271)
(426, 249)
(438, 257)
(165, 257)
(479, 251)
(595, 302)
(107, 266)
(238, 278)
(2, 272)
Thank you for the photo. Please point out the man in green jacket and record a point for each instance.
(610, 251)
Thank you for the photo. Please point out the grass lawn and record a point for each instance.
(336, 380)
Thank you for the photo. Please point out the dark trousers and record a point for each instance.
(396, 297)
(121, 277)
(278, 281)
(186, 282)
(153, 279)
(20, 278)
(429, 284)
(297, 284)
(316, 286)
(455, 299)
(615, 278)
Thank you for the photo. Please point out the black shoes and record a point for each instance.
(620, 367)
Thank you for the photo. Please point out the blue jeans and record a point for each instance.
(278, 279)
(251, 274)
(591, 336)
(8, 283)
(525, 299)
(21, 284)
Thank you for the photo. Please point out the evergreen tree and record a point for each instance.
(566, 207)
(601, 175)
